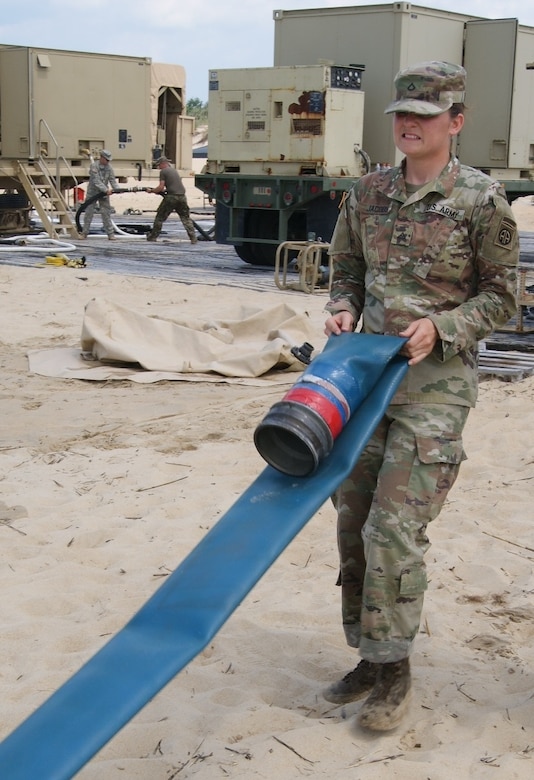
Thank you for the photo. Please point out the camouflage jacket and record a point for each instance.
(447, 252)
(101, 178)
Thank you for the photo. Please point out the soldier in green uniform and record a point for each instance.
(426, 251)
(101, 181)
(174, 199)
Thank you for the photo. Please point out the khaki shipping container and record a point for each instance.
(498, 56)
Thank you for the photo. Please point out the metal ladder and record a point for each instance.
(46, 199)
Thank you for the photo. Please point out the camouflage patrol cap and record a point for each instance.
(428, 88)
(105, 154)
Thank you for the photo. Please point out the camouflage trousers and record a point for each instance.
(170, 203)
(105, 213)
(398, 486)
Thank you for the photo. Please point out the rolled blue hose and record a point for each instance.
(300, 430)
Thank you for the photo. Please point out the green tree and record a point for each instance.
(195, 107)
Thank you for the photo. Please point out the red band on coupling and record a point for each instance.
(324, 408)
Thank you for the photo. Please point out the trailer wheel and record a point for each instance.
(14, 201)
(251, 253)
(258, 254)
(259, 224)
(266, 254)
(245, 252)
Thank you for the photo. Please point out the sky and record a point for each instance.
(198, 34)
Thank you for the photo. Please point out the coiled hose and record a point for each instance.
(204, 235)
(99, 196)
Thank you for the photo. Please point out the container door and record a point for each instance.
(489, 60)
(16, 100)
(184, 143)
(231, 110)
(256, 115)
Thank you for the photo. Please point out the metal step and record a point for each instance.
(47, 201)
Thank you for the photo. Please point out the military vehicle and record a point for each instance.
(58, 109)
(286, 142)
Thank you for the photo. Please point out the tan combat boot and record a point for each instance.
(354, 685)
(390, 697)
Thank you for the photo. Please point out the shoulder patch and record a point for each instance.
(505, 233)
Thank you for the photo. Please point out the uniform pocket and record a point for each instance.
(433, 473)
(413, 581)
(446, 253)
(439, 449)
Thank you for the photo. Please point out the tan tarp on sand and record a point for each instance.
(119, 343)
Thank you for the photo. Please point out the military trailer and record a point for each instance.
(285, 141)
(58, 109)
(275, 179)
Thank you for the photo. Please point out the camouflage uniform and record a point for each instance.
(447, 251)
(101, 178)
(174, 200)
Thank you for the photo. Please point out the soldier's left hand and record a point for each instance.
(422, 336)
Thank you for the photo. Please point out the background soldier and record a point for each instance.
(174, 199)
(101, 179)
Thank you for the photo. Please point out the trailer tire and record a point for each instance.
(259, 224)
(245, 252)
(14, 201)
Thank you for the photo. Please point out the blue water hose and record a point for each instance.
(185, 613)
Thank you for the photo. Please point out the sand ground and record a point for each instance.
(107, 486)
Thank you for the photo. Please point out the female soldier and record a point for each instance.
(426, 251)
